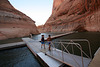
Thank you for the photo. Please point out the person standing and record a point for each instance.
(49, 41)
(42, 41)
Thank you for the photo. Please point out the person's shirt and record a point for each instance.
(49, 39)
(42, 39)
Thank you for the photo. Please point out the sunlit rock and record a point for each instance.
(14, 23)
(73, 15)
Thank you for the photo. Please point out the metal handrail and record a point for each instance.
(72, 43)
(77, 46)
(79, 40)
(70, 53)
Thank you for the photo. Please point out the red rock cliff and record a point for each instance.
(14, 23)
(73, 15)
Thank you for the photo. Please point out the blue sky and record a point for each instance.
(38, 10)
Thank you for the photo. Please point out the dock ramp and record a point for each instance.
(63, 55)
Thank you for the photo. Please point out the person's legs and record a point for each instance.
(42, 43)
(44, 46)
(49, 47)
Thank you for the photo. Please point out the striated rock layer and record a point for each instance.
(73, 15)
(14, 23)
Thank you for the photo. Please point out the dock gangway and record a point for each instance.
(68, 57)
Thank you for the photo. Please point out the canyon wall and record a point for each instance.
(14, 23)
(73, 15)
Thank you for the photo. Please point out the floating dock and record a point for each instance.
(49, 58)
(60, 35)
(57, 36)
(11, 45)
(19, 44)
(35, 47)
(53, 60)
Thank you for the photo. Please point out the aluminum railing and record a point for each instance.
(78, 40)
(71, 42)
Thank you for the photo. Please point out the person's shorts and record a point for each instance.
(42, 42)
(49, 42)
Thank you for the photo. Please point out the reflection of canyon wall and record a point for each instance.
(13, 23)
(73, 15)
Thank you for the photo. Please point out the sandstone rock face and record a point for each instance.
(14, 23)
(73, 15)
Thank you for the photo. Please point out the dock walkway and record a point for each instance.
(19, 44)
(56, 36)
(60, 35)
(69, 59)
(35, 47)
(11, 45)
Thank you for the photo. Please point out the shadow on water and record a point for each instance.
(93, 37)
(19, 57)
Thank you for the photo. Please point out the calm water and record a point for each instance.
(19, 57)
(11, 40)
(22, 57)
(93, 37)
(38, 37)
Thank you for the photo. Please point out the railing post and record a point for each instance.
(89, 49)
(62, 53)
(72, 43)
(82, 58)
(72, 47)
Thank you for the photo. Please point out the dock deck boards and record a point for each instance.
(67, 58)
(50, 61)
(36, 49)
(35, 46)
